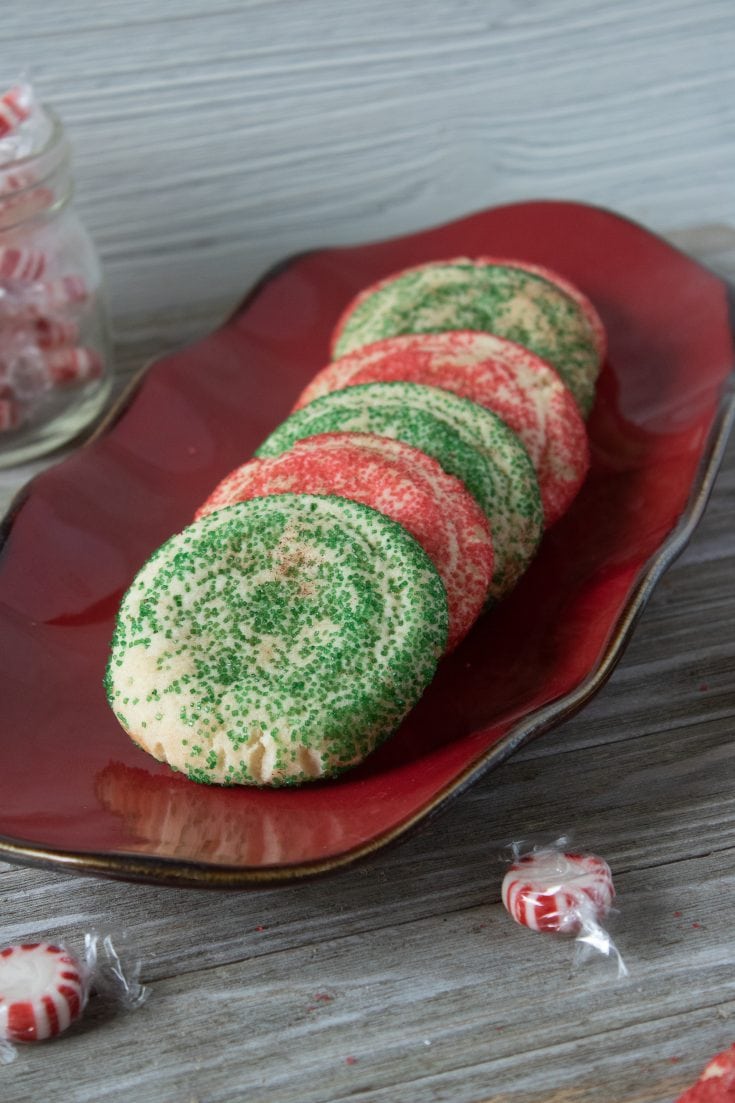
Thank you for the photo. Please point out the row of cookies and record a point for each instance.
(286, 632)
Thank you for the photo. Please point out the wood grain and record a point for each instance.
(212, 140)
(293, 1030)
(415, 947)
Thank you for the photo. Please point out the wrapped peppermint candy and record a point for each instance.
(44, 988)
(561, 890)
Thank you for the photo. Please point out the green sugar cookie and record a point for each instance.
(468, 440)
(511, 302)
(276, 641)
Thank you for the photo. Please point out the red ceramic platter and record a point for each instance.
(76, 794)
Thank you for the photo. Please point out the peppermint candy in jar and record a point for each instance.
(16, 106)
(55, 365)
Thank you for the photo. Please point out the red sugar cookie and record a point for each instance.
(397, 480)
(513, 382)
(523, 302)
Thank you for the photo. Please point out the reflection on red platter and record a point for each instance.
(75, 792)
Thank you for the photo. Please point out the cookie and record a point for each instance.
(584, 303)
(510, 380)
(468, 441)
(397, 480)
(461, 293)
(276, 641)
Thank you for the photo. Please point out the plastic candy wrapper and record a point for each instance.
(45, 987)
(562, 890)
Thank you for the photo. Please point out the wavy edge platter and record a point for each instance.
(175, 871)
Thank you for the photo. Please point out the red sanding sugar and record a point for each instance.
(525, 391)
(398, 481)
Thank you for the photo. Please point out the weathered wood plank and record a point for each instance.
(282, 1025)
(212, 140)
(652, 758)
(644, 802)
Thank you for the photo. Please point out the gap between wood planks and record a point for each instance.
(444, 912)
(563, 1095)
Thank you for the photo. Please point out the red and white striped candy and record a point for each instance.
(24, 325)
(553, 890)
(69, 366)
(25, 265)
(52, 333)
(24, 303)
(15, 108)
(42, 991)
(17, 180)
(64, 292)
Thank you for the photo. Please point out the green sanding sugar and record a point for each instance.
(468, 440)
(276, 641)
(507, 301)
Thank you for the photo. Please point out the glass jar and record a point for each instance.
(55, 359)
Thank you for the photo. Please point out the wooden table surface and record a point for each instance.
(211, 140)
